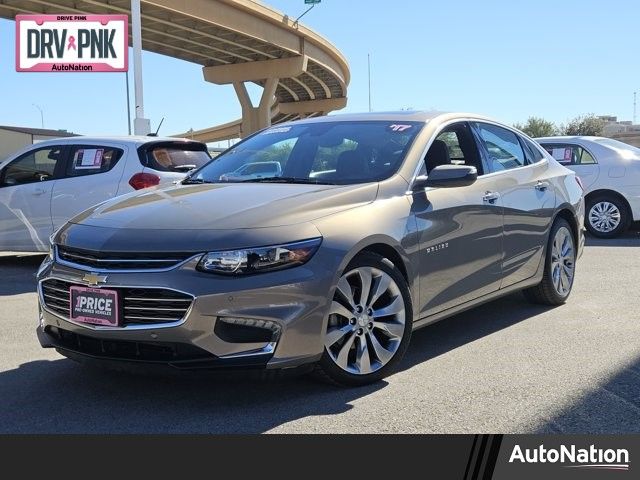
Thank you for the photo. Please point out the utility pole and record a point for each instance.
(128, 101)
(141, 125)
(634, 106)
(369, 69)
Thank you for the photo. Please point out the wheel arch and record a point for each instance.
(611, 193)
(387, 248)
(568, 215)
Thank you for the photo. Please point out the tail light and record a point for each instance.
(579, 182)
(144, 180)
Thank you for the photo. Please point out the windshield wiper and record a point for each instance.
(194, 181)
(183, 168)
(305, 181)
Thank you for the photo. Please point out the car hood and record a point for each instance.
(226, 206)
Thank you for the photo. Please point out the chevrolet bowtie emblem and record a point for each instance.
(94, 279)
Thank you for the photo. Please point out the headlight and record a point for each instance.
(260, 259)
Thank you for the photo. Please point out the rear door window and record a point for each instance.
(174, 156)
(569, 154)
(92, 159)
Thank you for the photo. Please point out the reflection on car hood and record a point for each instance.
(226, 206)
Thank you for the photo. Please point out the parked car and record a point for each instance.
(610, 172)
(252, 171)
(414, 217)
(44, 185)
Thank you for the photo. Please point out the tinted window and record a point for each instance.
(34, 166)
(91, 159)
(327, 152)
(568, 154)
(502, 145)
(175, 157)
(534, 155)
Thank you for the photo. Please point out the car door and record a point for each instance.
(460, 229)
(91, 175)
(26, 186)
(527, 196)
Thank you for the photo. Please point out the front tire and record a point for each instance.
(559, 267)
(606, 216)
(369, 325)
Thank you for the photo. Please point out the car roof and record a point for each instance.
(397, 116)
(568, 138)
(132, 139)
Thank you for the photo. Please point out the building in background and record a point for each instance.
(624, 131)
(13, 139)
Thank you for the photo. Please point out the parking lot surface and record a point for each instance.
(507, 367)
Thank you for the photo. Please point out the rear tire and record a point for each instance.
(606, 216)
(559, 267)
(369, 325)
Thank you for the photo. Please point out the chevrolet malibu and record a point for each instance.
(376, 225)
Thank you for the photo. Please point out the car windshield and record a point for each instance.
(323, 152)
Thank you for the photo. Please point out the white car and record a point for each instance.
(46, 184)
(610, 173)
(252, 171)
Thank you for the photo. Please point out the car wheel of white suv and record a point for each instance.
(606, 216)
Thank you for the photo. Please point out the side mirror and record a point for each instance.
(447, 176)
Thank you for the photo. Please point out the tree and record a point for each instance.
(538, 127)
(585, 125)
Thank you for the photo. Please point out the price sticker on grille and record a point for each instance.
(94, 306)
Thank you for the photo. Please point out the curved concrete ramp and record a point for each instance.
(236, 41)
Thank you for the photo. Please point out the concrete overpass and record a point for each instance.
(235, 41)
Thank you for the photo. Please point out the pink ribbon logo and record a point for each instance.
(72, 43)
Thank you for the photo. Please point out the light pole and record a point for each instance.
(141, 125)
(41, 114)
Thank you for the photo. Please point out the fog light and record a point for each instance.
(247, 330)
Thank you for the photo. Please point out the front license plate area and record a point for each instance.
(94, 306)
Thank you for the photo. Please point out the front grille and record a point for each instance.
(140, 306)
(121, 261)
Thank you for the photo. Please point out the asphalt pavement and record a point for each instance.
(507, 367)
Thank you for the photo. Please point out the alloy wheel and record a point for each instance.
(366, 321)
(562, 261)
(604, 217)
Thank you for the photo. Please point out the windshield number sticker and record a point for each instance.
(399, 128)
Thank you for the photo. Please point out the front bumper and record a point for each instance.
(295, 300)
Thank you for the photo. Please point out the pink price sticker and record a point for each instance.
(72, 43)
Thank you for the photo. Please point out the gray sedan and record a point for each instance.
(376, 225)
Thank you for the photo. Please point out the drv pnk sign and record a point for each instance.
(72, 43)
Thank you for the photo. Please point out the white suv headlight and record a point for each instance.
(260, 259)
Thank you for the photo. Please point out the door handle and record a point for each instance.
(490, 197)
(39, 191)
(542, 186)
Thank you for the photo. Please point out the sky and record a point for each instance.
(555, 59)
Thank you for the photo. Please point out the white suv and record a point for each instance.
(610, 172)
(46, 184)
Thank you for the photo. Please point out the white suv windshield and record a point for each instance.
(322, 152)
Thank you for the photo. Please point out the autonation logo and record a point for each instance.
(573, 457)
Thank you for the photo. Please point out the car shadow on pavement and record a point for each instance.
(612, 408)
(60, 396)
(18, 273)
(630, 238)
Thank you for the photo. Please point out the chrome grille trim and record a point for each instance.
(144, 316)
(110, 265)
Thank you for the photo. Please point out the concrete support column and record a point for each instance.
(256, 118)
